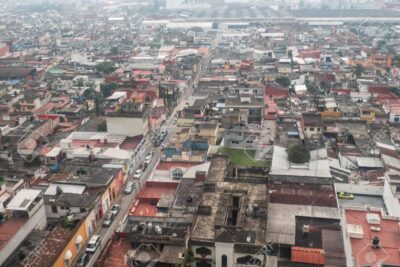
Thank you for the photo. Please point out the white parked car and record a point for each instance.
(93, 244)
(115, 209)
(148, 158)
(138, 173)
(129, 188)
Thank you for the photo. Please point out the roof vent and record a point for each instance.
(174, 235)
(248, 239)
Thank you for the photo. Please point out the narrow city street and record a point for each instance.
(126, 200)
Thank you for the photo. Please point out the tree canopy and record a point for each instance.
(106, 89)
(283, 81)
(298, 154)
(358, 70)
(105, 67)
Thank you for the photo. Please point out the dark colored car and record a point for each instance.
(83, 260)
(158, 142)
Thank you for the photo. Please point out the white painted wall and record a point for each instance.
(371, 190)
(347, 162)
(391, 202)
(126, 126)
(224, 249)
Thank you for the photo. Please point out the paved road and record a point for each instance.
(126, 200)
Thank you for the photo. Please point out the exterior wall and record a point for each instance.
(209, 134)
(346, 242)
(224, 249)
(371, 190)
(391, 202)
(117, 185)
(198, 257)
(239, 255)
(4, 50)
(90, 222)
(127, 126)
(30, 141)
(368, 117)
(330, 114)
(183, 122)
(347, 163)
(394, 118)
(284, 69)
(106, 200)
(311, 132)
(60, 212)
(72, 246)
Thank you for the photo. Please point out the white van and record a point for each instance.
(93, 244)
(129, 188)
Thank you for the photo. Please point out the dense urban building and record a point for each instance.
(229, 133)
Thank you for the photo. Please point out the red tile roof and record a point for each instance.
(130, 143)
(8, 229)
(389, 236)
(117, 254)
(142, 208)
(310, 54)
(154, 190)
(308, 194)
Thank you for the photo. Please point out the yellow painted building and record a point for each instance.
(367, 115)
(330, 114)
(75, 245)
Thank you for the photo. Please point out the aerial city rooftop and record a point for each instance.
(225, 133)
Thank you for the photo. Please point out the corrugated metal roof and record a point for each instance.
(308, 255)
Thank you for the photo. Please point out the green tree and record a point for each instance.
(396, 61)
(102, 127)
(105, 67)
(298, 154)
(311, 87)
(283, 81)
(114, 50)
(91, 94)
(395, 90)
(358, 70)
(290, 55)
(106, 89)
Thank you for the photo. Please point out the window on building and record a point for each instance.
(318, 129)
(54, 209)
(67, 258)
(203, 251)
(177, 174)
(312, 129)
(224, 261)
(78, 246)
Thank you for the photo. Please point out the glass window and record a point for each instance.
(54, 209)
(224, 260)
